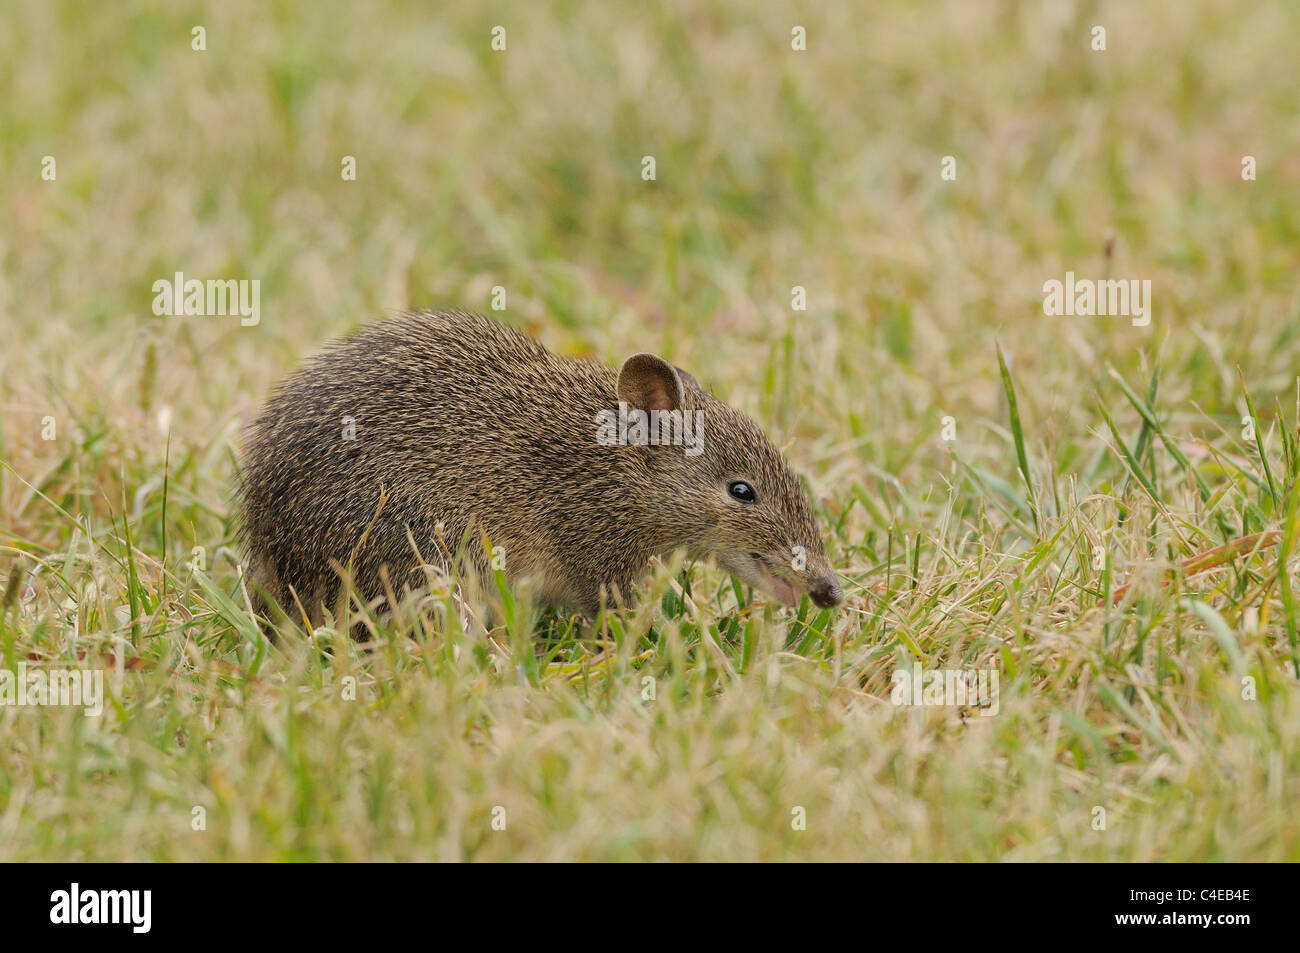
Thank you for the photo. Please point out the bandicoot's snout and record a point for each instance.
(826, 593)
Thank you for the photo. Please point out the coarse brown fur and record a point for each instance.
(466, 429)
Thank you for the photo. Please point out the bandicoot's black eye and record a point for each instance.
(740, 490)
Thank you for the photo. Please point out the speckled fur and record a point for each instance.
(470, 425)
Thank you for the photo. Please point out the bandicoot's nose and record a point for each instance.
(826, 594)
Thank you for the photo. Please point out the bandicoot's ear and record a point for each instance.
(648, 382)
(686, 377)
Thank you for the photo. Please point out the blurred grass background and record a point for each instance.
(775, 168)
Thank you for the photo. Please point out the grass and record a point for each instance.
(1111, 529)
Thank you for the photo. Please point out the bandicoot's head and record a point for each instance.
(723, 489)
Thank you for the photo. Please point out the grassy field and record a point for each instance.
(1115, 542)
